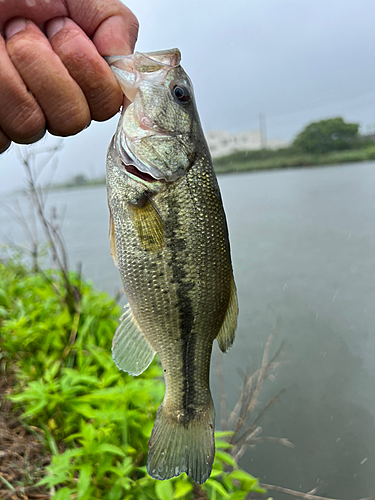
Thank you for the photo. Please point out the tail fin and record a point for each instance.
(177, 447)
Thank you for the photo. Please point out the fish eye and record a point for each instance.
(181, 93)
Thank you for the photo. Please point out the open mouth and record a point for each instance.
(133, 165)
(132, 169)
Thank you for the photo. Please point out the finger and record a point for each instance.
(5, 142)
(86, 67)
(111, 25)
(39, 12)
(21, 119)
(124, 27)
(58, 95)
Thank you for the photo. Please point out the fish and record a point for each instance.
(169, 239)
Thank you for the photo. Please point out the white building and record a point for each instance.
(223, 143)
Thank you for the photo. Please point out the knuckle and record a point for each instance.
(28, 126)
(133, 21)
(132, 24)
(107, 106)
(133, 30)
(5, 142)
(70, 123)
(133, 34)
(22, 50)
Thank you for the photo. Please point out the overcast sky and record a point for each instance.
(293, 60)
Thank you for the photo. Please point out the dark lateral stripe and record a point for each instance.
(188, 346)
(185, 308)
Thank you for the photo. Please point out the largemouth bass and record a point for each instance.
(169, 240)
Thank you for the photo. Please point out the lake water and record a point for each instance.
(303, 247)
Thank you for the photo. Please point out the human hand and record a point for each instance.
(53, 75)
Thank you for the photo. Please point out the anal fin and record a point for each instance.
(131, 350)
(225, 336)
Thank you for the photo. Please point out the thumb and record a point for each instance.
(112, 27)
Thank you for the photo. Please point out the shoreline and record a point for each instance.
(285, 158)
(235, 164)
(257, 169)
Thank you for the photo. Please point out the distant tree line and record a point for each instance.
(329, 135)
(326, 142)
(81, 180)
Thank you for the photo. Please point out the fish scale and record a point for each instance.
(169, 240)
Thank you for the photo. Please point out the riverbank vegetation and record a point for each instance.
(80, 181)
(71, 424)
(268, 159)
(327, 142)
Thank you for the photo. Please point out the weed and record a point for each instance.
(96, 421)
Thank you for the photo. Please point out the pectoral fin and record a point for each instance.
(225, 337)
(148, 225)
(112, 241)
(131, 351)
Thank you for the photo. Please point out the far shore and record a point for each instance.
(256, 160)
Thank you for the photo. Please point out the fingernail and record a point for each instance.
(14, 26)
(54, 26)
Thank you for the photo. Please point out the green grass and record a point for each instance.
(95, 420)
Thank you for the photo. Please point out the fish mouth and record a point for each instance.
(152, 65)
(137, 169)
(133, 170)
